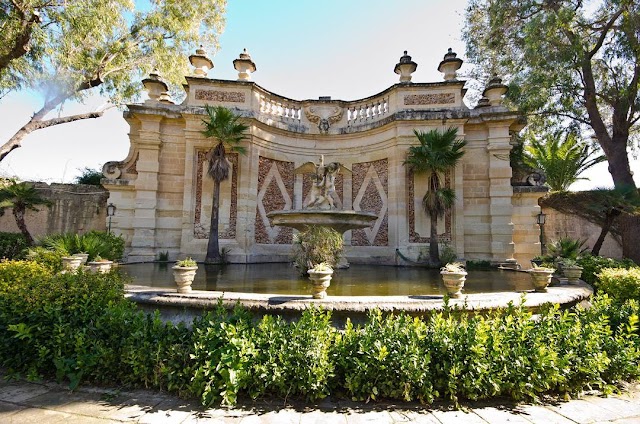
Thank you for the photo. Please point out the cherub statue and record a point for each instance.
(323, 187)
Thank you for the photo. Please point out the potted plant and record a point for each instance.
(184, 272)
(571, 270)
(83, 257)
(541, 277)
(320, 276)
(453, 276)
(71, 263)
(100, 265)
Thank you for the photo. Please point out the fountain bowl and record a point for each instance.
(339, 220)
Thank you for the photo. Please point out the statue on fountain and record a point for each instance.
(323, 189)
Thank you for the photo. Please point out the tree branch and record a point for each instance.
(603, 34)
(22, 40)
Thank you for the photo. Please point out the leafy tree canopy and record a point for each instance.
(67, 49)
(562, 158)
(568, 61)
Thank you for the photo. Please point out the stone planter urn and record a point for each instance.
(573, 273)
(541, 278)
(320, 277)
(454, 282)
(71, 263)
(101, 266)
(82, 256)
(183, 276)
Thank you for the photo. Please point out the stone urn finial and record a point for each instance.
(483, 102)
(405, 68)
(157, 89)
(201, 62)
(495, 90)
(450, 65)
(244, 65)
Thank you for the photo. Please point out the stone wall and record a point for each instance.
(76, 208)
(559, 225)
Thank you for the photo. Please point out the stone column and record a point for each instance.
(526, 235)
(146, 187)
(500, 192)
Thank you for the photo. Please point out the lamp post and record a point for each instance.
(541, 217)
(111, 210)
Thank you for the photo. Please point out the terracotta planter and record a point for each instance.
(320, 281)
(573, 274)
(183, 276)
(454, 282)
(71, 263)
(541, 278)
(100, 266)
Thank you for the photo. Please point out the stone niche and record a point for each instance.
(164, 196)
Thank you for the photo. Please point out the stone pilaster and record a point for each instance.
(146, 184)
(500, 193)
(526, 235)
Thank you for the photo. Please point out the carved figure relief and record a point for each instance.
(323, 189)
(324, 116)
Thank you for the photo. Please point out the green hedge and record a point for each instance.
(592, 265)
(622, 284)
(12, 245)
(78, 327)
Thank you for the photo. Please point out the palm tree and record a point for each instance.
(20, 197)
(223, 126)
(561, 159)
(437, 153)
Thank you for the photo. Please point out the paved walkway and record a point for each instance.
(42, 403)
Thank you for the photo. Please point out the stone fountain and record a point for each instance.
(320, 207)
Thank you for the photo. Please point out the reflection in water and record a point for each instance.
(358, 280)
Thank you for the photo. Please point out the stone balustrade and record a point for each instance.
(279, 108)
(369, 111)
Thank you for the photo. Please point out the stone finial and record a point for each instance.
(405, 68)
(157, 89)
(201, 62)
(450, 65)
(245, 66)
(495, 90)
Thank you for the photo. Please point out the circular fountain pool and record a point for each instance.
(278, 289)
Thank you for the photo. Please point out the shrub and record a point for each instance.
(592, 265)
(89, 176)
(12, 245)
(95, 243)
(52, 259)
(621, 284)
(315, 245)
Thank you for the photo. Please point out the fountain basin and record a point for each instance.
(340, 220)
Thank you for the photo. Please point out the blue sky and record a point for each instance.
(346, 49)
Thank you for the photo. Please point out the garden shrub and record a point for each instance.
(52, 259)
(592, 265)
(95, 243)
(12, 245)
(619, 283)
(315, 245)
(79, 328)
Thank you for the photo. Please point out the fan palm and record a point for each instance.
(562, 159)
(21, 197)
(223, 126)
(437, 153)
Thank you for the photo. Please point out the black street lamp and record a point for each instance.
(111, 210)
(542, 218)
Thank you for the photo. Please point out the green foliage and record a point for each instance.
(52, 259)
(619, 283)
(95, 243)
(565, 247)
(590, 80)
(315, 245)
(12, 245)
(436, 154)
(79, 328)
(561, 159)
(472, 265)
(186, 262)
(448, 254)
(89, 176)
(592, 265)
(21, 197)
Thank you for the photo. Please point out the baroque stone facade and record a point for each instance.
(164, 197)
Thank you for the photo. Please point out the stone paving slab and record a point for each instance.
(42, 403)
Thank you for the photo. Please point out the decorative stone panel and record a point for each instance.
(414, 237)
(220, 96)
(275, 193)
(200, 228)
(429, 99)
(370, 188)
